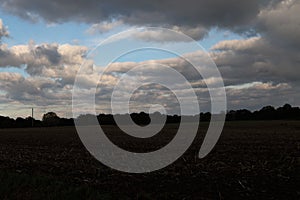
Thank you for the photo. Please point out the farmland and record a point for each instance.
(252, 160)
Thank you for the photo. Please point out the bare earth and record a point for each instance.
(252, 160)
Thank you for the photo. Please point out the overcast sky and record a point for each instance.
(255, 45)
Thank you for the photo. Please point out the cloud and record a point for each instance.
(52, 83)
(197, 33)
(162, 35)
(249, 68)
(278, 19)
(256, 59)
(281, 23)
(43, 59)
(18, 88)
(103, 27)
(3, 31)
(192, 13)
(255, 95)
(257, 70)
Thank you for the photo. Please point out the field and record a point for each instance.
(252, 160)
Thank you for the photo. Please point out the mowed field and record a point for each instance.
(252, 160)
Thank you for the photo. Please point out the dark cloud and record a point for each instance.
(206, 13)
(255, 95)
(256, 59)
(276, 18)
(280, 23)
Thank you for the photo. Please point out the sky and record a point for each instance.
(254, 44)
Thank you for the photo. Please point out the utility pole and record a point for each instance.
(32, 117)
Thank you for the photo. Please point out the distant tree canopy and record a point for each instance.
(286, 112)
(50, 119)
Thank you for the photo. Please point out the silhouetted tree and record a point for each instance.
(205, 116)
(266, 113)
(286, 112)
(6, 122)
(50, 119)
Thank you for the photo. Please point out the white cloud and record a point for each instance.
(43, 58)
(104, 27)
(163, 35)
(3, 30)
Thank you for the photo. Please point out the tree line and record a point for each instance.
(286, 112)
